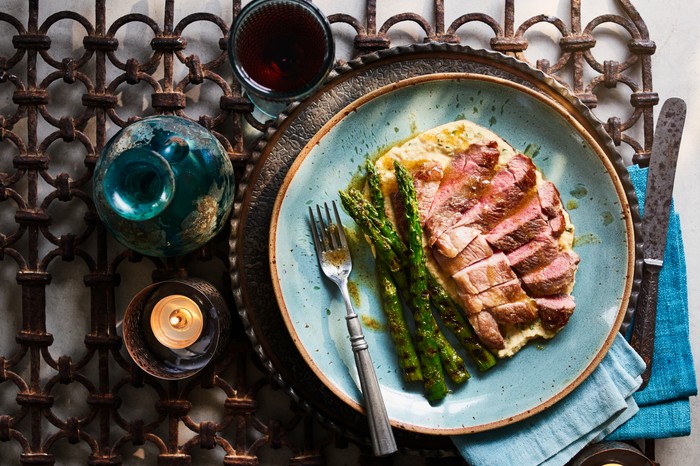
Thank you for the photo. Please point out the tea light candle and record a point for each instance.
(177, 321)
(174, 328)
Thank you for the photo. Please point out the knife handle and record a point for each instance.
(645, 318)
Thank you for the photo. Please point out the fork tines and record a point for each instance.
(327, 235)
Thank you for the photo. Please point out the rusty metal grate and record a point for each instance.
(229, 414)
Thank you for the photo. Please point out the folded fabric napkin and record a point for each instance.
(601, 403)
(605, 405)
(664, 409)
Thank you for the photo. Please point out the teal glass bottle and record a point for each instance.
(163, 186)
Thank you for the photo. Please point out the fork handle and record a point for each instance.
(381, 435)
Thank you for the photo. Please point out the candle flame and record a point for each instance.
(180, 318)
(177, 321)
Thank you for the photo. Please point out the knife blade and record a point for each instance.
(657, 209)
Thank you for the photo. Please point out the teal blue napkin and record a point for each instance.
(596, 407)
(605, 405)
(664, 409)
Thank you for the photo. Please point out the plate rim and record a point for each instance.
(387, 90)
(425, 445)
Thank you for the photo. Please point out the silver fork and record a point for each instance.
(336, 263)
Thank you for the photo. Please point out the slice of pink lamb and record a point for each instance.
(486, 328)
(475, 251)
(538, 252)
(463, 181)
(484, 274)
(507, 190)
(519, 312)
(508, 292)
(555, 311)
(557, 224)
(426, 179)
(553, 278)
(519, 227)
(452, 241)
(549, 198)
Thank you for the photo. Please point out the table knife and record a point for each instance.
(657, 208)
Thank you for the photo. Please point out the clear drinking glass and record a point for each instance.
(281, 51)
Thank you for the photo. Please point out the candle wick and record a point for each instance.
(177, 321)
(179, 318)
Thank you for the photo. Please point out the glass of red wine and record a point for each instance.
(281, 51)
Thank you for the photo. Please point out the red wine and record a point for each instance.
(282, 47)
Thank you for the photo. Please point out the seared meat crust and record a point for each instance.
(494, 229)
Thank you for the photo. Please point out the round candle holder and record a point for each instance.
(173, 329)
(610, 454)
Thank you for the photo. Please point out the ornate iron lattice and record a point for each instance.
(45, 255)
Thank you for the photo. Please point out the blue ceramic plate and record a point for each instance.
(540, 374)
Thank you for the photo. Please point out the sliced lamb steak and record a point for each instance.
(523, 170)
(484, 274)
(487, 330)
(538, 252)
(475, 251)
(426, 178)
(507, 189)
(553, 278)
(554, 311)
(519, 312)
(463, 181)
(557, 224)
(454, 240)
(549, 198)
(463, 166)
(495, 230)
(498, 295)
(519, 227)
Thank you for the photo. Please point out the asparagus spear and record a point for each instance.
(398, 328)
(433, 378)
(378, 218)
(381, 246)
(451, 361)
(450, 315)
(458, 325)
(376, 196)
(391, 264)
(358, 210)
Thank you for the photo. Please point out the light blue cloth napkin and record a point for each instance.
(605, 405)
(595, 408)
